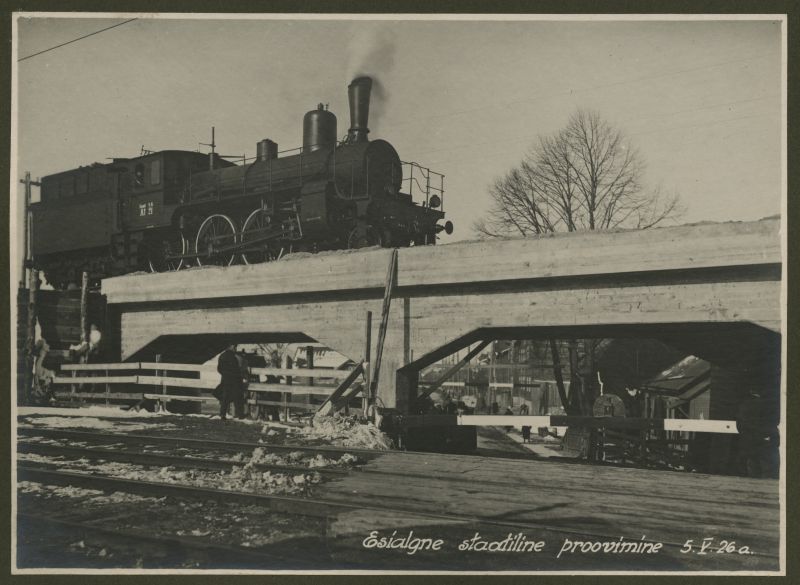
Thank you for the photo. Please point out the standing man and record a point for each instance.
(231, 384)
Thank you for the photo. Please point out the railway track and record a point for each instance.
(158, 459)
(208, 447)
(82, 460)
(199, 444)
(181, 549)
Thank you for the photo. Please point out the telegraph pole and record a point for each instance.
(26, 244)
(26, 304)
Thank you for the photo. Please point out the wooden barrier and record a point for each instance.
(80, 375)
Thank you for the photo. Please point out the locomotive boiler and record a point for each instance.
(172, 209)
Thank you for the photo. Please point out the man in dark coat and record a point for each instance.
(232, 384)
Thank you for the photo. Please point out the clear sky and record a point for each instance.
(701, 100)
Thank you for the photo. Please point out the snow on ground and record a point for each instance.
(85, 422)
(246, 478)
(97, 496)
(95, 410)
(91, 417)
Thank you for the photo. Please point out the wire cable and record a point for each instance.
(78, 39)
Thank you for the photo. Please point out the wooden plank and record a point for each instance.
(99, 396)
(100, 367)
(290, 388)
(301, 405)
(330, 404)
(431, 388)
(95, 380)
(691, 425)
(619, 501)
(375, 370)
(351, 392)
(168, 397)
(302, 372)
(178, 382)
(701, 426)
(178, 367)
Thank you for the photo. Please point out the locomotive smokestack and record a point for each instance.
(358, 94)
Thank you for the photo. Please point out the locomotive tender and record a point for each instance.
(171, 209)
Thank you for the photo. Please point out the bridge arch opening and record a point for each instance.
(719, 371)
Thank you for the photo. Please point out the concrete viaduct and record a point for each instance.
(712, 289)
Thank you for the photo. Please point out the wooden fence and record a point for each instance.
(162, 376)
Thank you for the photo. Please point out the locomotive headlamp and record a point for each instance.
(434, 202)
(446, 228)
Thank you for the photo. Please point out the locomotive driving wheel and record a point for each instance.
(362, 237)
(256, 227)
(158, 253)
(216, 233)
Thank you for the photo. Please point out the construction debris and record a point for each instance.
(346, 431)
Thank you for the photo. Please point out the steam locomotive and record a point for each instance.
(171, 209)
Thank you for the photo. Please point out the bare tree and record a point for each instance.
(587, 176)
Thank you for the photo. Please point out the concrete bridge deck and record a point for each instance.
(713, 288)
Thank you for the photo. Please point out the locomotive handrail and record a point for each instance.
(429, 188)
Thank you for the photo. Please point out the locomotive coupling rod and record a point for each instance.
(237, 247)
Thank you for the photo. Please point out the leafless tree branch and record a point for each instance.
(586, 176)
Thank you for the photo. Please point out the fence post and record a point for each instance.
(365, 397)
(310, 362)
(85, 307)
(161, 403)
(285, 395)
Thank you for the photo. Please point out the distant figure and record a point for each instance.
(43, 391)
(231, 385)
(495, 408)
(426, 405)
(90, 351)
(480, 404)
(526, 431)
(757, 422)
(449, 406)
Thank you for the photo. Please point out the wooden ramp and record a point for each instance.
(555, 501)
